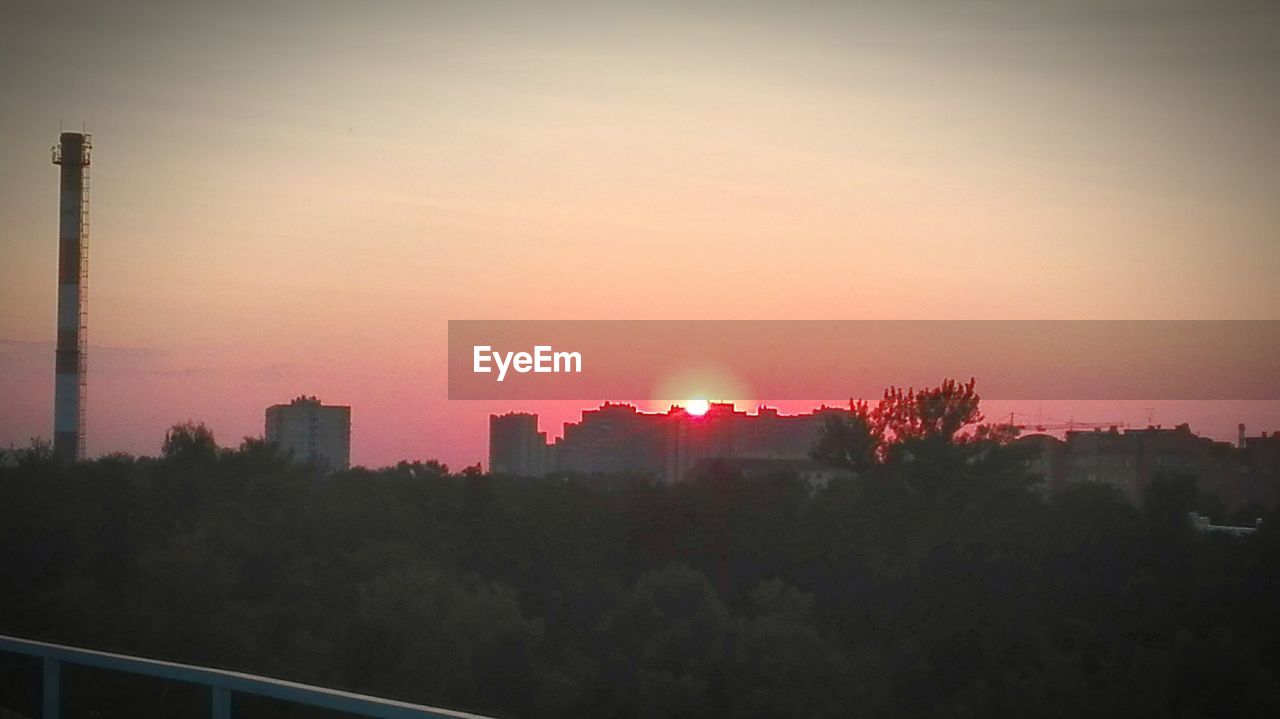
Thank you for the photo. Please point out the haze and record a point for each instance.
(295, 198)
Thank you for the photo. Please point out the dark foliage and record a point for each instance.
(936, 583)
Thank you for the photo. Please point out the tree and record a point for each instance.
(938, 413)
(190, 442)
(38, 452)
(848, 440)
(782, 665)
(869, 434)
(444, 638)
(1172, 497)
(666, 642)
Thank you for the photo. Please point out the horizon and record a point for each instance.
(287, 206)
(565, 412)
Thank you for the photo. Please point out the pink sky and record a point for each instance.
(290, 202)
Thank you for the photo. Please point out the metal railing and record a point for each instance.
(222, 684)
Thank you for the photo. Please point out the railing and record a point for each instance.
(222, 684)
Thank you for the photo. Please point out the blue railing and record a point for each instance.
(222, 684)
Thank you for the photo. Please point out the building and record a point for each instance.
(1239, 476)
(1261, 482)
(516, 446)
(1044, 464)
(619, 439)
(313, 432)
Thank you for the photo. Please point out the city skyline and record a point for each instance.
(618, 440)
(287, 207)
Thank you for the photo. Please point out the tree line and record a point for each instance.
(936, 580)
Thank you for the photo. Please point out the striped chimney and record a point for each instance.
(72, 154)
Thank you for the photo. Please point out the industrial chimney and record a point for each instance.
(72, 154)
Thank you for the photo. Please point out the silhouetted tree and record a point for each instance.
(907, 422)
(937, 413)
(190, 442)
(933, 584)
(1170, 499)
(849, 440)
(667, 647)
(38, 451)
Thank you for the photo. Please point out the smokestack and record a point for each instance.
(1240, 443)
(72, 154)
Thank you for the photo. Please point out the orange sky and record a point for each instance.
(296, 199)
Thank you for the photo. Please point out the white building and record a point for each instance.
(313, 432)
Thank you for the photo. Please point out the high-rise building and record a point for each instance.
(618, 439)
(72, 155)
(516, 446)
(1133, 459)
(313, 432)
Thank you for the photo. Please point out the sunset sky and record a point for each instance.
(295, 198)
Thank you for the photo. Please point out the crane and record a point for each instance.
(1058, 425)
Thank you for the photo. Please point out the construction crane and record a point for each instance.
(1056, 425)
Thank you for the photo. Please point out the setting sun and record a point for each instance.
(697, 407)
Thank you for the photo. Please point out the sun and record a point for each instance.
(697, 407)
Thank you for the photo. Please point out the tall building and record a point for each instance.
(313, 432)
(619, 439)
(1133, 459)
(72, 155)
(1262, 468)
(516, 446)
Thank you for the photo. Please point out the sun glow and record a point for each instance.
(697, 407)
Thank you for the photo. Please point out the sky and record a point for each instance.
(293, 198)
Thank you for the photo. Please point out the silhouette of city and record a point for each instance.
(619, 439)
